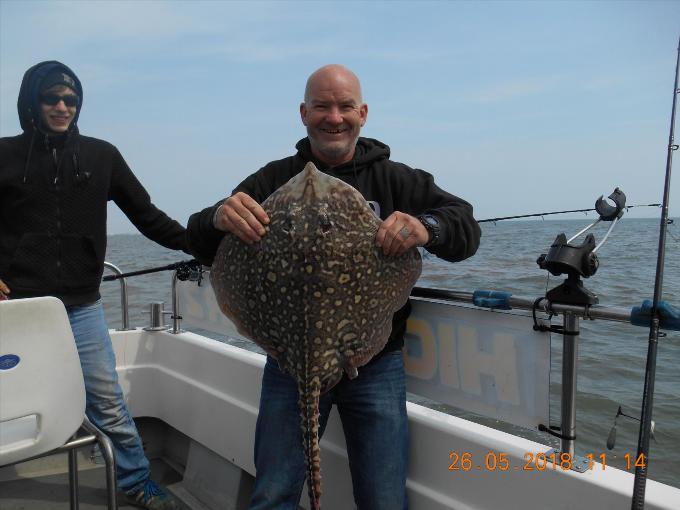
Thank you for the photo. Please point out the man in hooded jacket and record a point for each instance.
(415, 212)
(54, 187)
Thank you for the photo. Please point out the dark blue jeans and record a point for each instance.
(372, 408)
(105, 405)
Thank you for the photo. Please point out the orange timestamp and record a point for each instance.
(632, 462)
(532, 461)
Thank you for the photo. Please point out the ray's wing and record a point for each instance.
(241, 277)
(358, 290)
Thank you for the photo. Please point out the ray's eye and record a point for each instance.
(324, 223)
(287, 226)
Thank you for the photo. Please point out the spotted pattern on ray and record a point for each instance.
(315, 293)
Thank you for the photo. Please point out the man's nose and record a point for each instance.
(334, 116)
(61, 105)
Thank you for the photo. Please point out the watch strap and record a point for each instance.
(433, 230)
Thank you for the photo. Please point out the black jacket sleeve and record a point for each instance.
(460, 232)
(129, 194)
(203, 238)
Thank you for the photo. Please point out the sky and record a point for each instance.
(517, 107)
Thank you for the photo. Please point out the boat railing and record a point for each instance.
(125, 318)
(184, 270)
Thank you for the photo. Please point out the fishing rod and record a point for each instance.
(182, 267)
(558, 212)
(640, 482)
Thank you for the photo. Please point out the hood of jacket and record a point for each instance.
(28, 104)
(367, 152)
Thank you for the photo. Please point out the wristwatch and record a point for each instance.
(431, 224)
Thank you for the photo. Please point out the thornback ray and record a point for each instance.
(315, 292)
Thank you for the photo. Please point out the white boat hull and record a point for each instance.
(209, 391)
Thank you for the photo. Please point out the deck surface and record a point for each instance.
(51, 491)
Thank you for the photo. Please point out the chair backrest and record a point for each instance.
(42, 393)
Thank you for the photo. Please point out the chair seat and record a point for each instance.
(42, 393)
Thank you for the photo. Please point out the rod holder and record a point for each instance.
(569, 365)
(176, 317)
(157, 317)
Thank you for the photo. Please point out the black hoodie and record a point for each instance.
(53, 195)
(389, 185)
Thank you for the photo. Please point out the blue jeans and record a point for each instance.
(105, 405)
(372, 408)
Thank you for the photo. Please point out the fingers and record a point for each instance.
(243, 217)
(399, 233)
(4, 290)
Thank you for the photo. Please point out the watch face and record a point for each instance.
(431, 220)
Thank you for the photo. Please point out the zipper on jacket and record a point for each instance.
(57, 234)
(56, 165)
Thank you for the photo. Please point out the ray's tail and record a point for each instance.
(309, 419)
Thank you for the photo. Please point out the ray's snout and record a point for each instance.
(310, 179)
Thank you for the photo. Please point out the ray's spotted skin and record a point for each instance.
(315, 293)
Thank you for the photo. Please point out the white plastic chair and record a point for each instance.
(42, 392)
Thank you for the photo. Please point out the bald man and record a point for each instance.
(373, 405)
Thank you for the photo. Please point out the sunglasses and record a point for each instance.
(53, 99)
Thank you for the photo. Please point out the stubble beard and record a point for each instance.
(332, 151)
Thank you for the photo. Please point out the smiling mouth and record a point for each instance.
(334, 131)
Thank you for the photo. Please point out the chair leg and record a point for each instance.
(106, 447)
(73, 478)
(110, 459)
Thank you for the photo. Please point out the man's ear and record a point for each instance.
(303, 113)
